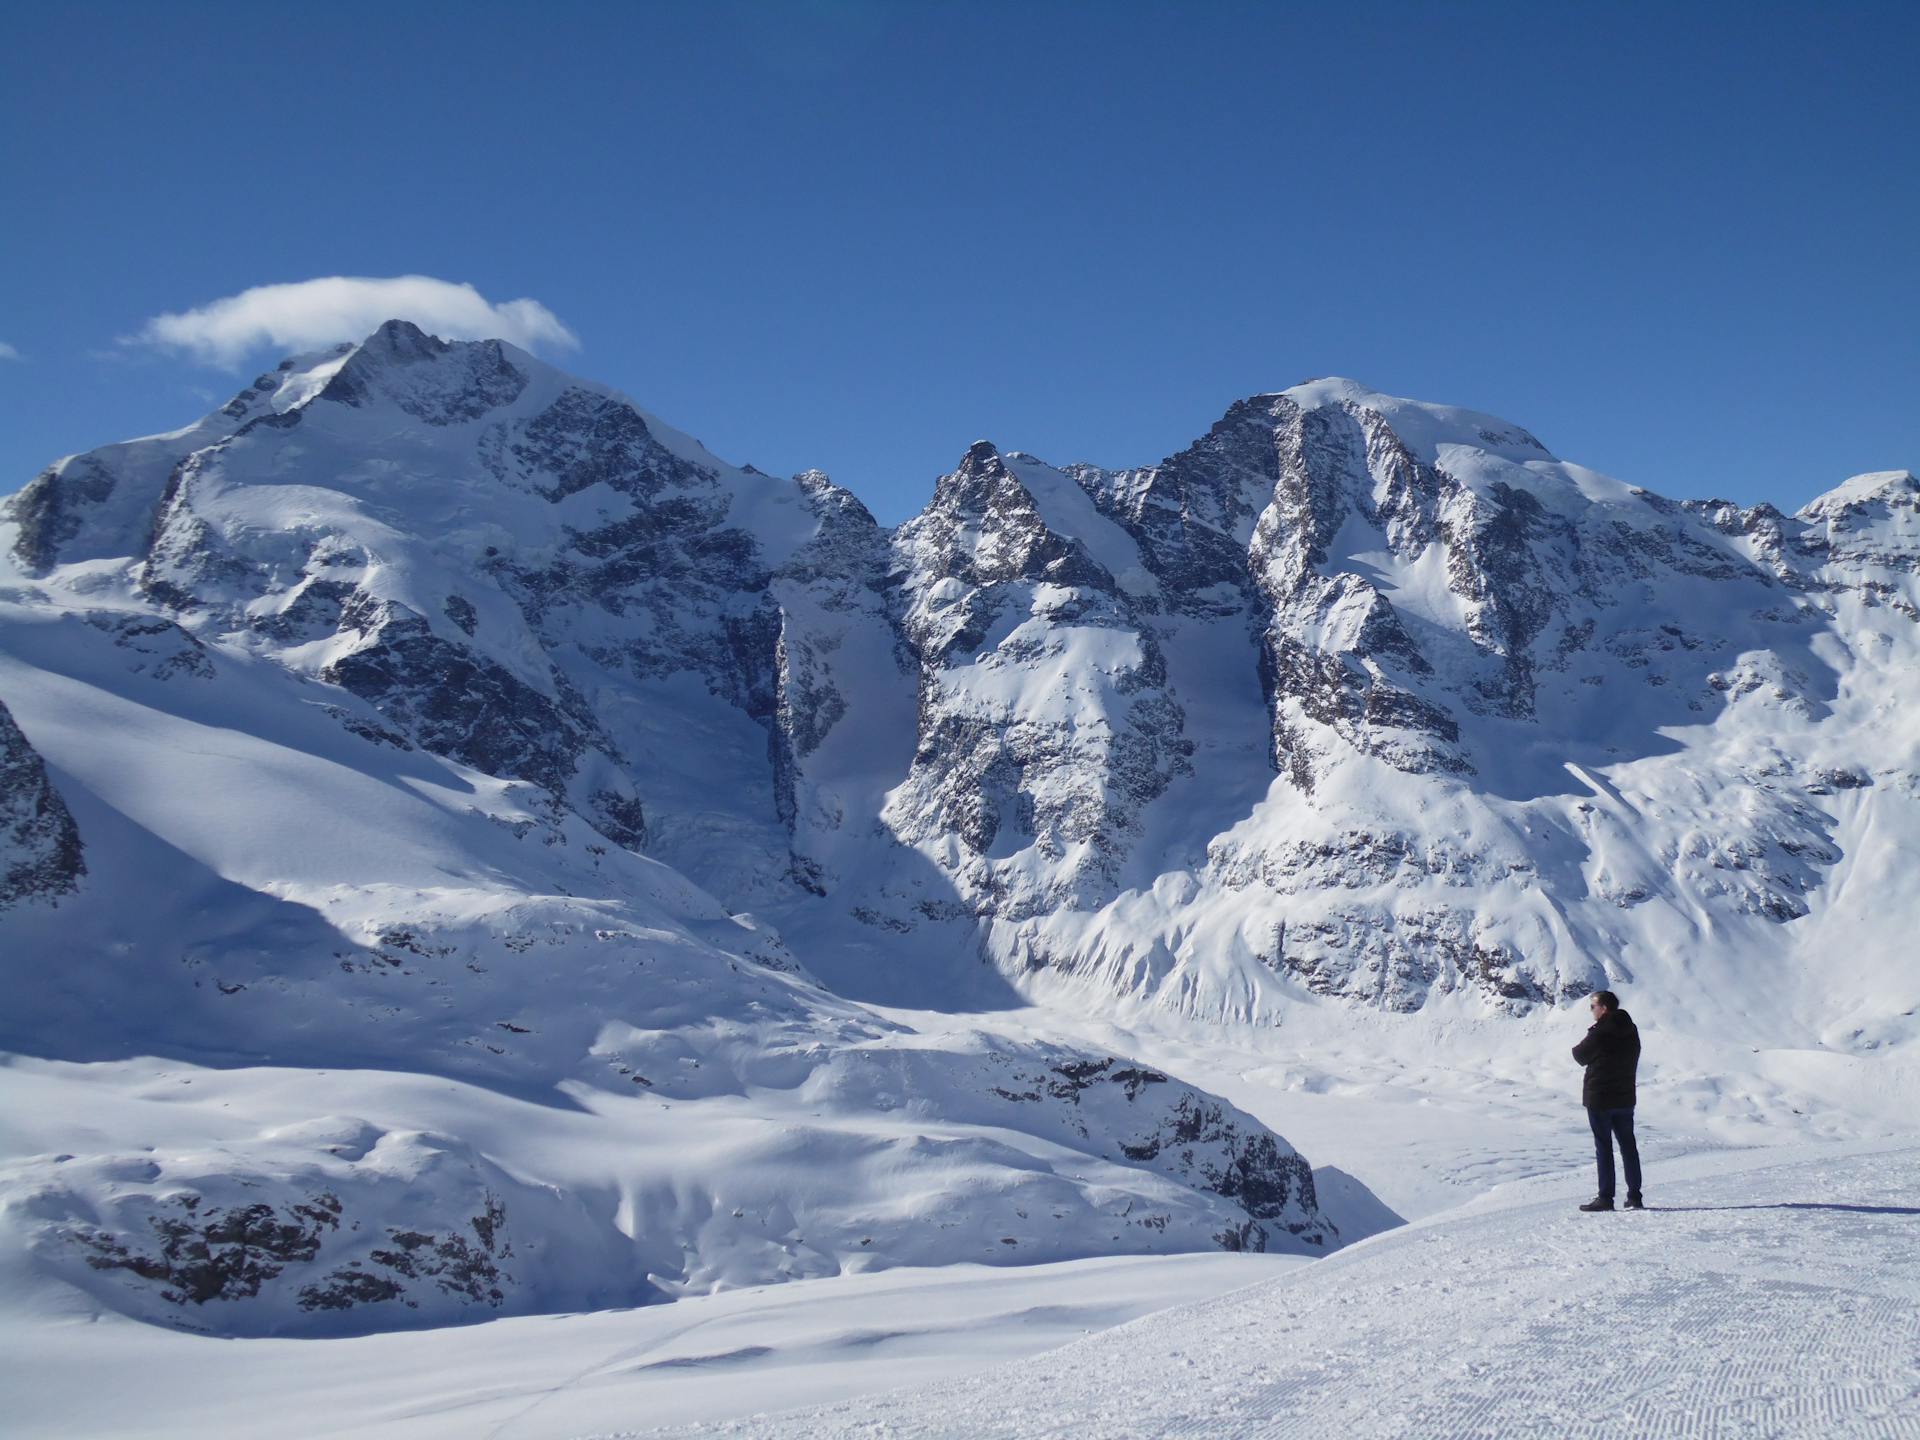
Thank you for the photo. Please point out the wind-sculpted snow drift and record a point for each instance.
(426, 711)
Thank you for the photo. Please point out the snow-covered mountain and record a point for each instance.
(338, 728)
(1531, 731)
(430, 723)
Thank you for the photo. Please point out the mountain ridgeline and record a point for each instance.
(1353, 698)
(475, 827)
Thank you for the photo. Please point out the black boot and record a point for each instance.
(1599, 1202)
(1633, 1202)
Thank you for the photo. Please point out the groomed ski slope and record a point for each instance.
(1761, 1296)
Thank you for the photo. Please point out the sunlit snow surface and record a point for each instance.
(559, 1376)
(1765, 1293)
(1480, 1318)
(1775, 1295)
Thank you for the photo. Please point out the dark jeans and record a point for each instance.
(1608, 1126)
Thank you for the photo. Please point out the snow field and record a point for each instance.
(69, 1373)
(1761, 1296)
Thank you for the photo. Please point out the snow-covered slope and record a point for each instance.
(337, 777)
(428, 712)
(1534, 731)
(1356, 696)
(1777, 1298)
(560, 1377)
(1765, 1293)
(1376, 700)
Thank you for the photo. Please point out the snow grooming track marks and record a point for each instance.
(1781, 1301)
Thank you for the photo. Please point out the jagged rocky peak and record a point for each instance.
(1045, 725)
(979, 485)
(1282, 473)
(977, 553)
(1193, 514)
(984, 527)
(820, 486)
(436, 381)
(839, 511)
(1357, 506)
(1412, 472)
(975, 481)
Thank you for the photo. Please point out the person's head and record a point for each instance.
(1601, 1003)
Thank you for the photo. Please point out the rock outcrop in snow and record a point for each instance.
(41, 857)
(1045, 724)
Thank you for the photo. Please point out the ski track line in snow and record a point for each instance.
(625, 1355)
(1779, 1302)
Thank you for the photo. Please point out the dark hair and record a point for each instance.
(1607, 999)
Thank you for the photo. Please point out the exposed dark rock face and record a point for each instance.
(460, 611)
(1157, 1121)
(1193, 514)
(197, 1255)
(995, 598)
(157, 647)
(52, 508)
(41, 857)
(582, 440)
(686, 586)
(458, 704)
(467, 1270)
(1335, 643)
(836, 584)
(433, 381)
(984, 531)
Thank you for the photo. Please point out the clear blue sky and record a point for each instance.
(1679, 242)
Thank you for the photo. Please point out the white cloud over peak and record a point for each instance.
(309, 314)
(7, 352)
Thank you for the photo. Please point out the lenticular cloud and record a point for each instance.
(312, 313)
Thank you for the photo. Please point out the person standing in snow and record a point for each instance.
(1611, 1053)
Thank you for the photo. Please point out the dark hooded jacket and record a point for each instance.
(1611, 1053)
